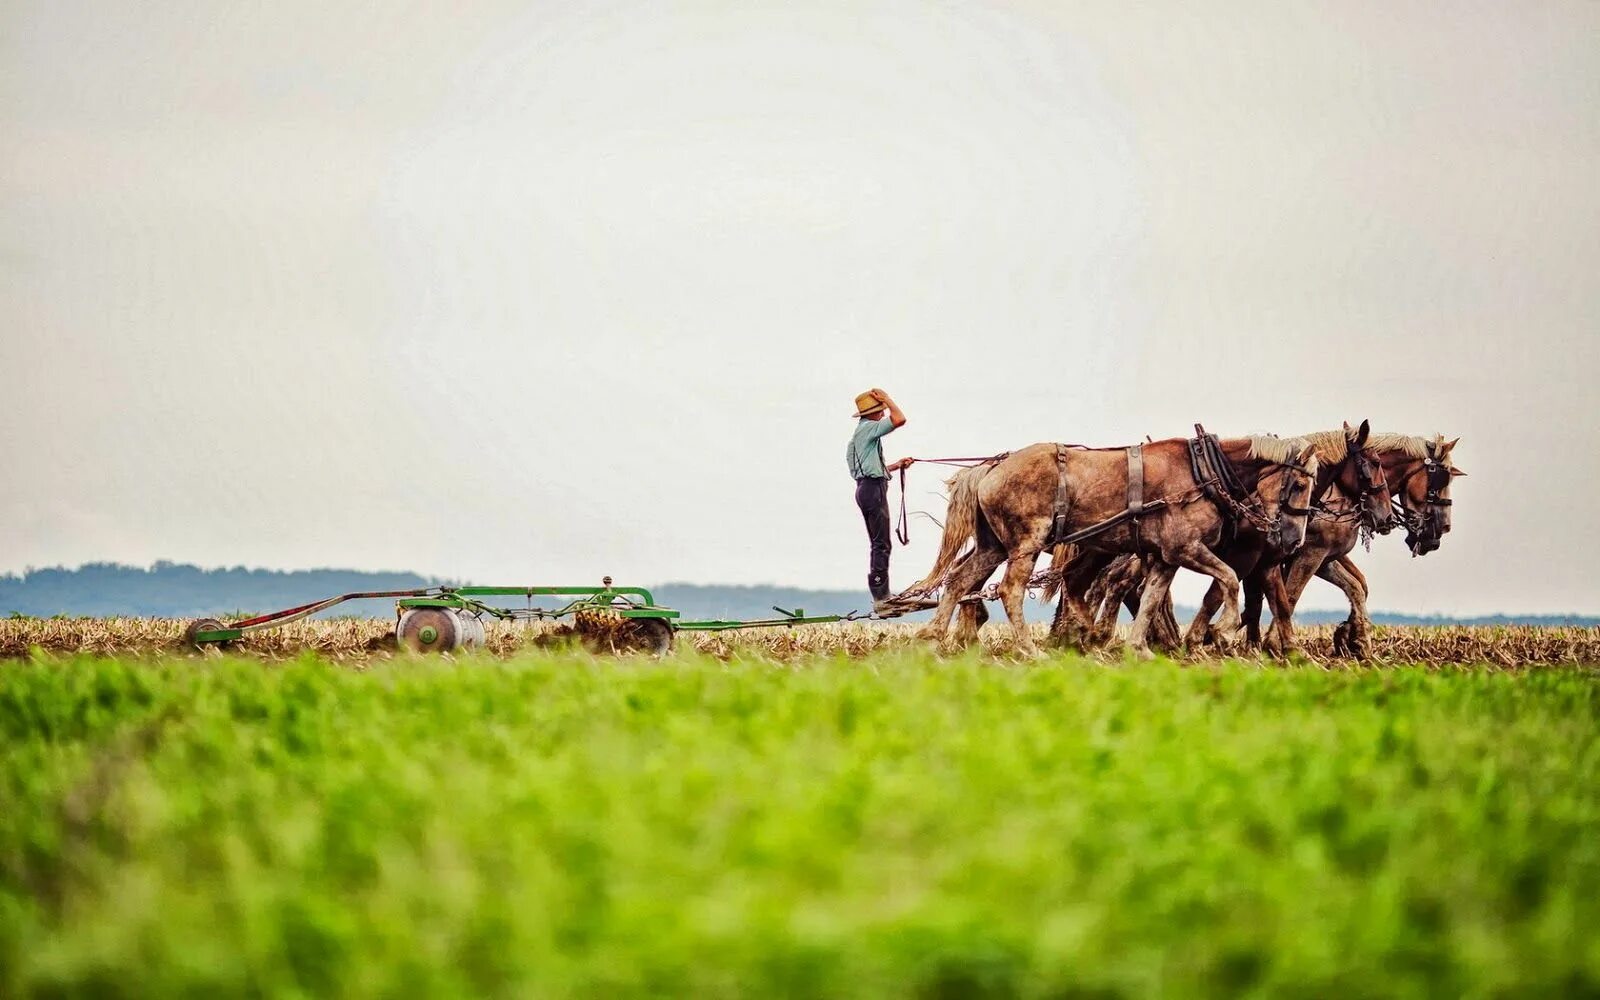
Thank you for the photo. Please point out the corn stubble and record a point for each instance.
(359, 639)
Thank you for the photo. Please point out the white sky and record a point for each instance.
(532, 293)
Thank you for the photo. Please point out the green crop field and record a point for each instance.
(555, 824)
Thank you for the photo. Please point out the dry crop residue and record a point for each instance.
(359, 639)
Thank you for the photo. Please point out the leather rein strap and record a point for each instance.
(1058, 523)
(902, 530)
(1136, 480)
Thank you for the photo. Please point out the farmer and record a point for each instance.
(876, 415)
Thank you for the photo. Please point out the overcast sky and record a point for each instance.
(532, 293)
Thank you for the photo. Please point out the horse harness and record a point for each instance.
(1137, 506)
(1219, 483)
(1217, 480)
(1369, 483)
(1438, 475)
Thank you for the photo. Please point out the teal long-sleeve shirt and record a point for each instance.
(865, 454)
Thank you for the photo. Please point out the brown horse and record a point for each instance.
(1417, 471)
(1012, 508)
(1347, 466)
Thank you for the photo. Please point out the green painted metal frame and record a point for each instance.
(637, 602)
(796, 617)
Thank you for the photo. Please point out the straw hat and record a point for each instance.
(866, 403)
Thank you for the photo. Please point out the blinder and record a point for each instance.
(1285, 505)
(1438, 477)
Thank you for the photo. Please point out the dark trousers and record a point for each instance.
(872, 496)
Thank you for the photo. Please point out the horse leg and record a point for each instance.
(1280, 641)
(1157, 579)
(1357, 634)
(1164, 626)
(1124, 581)
(1074, 621)
(970, 617)
(948, 598)
(1066, 630)
(1013, 588)
(965, 578)
(1106, 626)
(1252, 610)
(1197, 557)
(1200, 629)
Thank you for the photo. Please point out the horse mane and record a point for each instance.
(1407, 444)
(1271, 448)
(1331, 446)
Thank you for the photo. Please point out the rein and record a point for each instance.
(902, 528)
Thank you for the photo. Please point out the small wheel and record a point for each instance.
(649, 635)
(201, 625)
(428, 630)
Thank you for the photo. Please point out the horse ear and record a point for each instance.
(1456, 472)
(1306, 453)
(1363, 433)
(1444, 449)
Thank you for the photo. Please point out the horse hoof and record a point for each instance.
(1228, 642)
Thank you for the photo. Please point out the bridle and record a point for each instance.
(1371, 483)
(1438, 479)
(1285, 483)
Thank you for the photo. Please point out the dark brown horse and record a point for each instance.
(1417, 471)
(1013, 508)
(1347, 466)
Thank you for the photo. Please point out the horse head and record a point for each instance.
(1286, 498)
(1424, 495)
(1360, 477)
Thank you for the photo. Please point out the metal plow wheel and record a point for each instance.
(438, 630)
(650, 635)
(190, 634)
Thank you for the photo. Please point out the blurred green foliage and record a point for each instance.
(559, 825)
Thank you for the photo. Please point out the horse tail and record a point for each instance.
(960, 526)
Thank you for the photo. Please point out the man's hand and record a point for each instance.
(897, 417)
(904, 463)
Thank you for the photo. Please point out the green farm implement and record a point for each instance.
(441, 619)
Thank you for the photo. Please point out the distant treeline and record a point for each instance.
(176, 590)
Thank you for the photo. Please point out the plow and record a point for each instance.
(448, 619)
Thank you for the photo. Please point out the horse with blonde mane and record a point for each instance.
(1348, 467)
(1046, 495)
(1417, 470)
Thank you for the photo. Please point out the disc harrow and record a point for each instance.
(451, 619)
